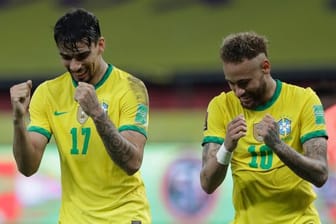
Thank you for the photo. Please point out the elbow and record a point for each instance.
(320, 183)
(26, 169)
(207, 189)
(26, 172)
(131, 169)
(322, 179)
(206, 186)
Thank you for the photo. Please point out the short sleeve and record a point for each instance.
(38, 112)
(214, 127)
(135, 107)
(312, 117)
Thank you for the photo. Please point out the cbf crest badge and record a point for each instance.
(285, 127)
(82, 117)
(256, 135)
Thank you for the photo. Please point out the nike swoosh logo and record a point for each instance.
(56, 113)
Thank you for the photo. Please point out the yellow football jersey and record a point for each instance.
(265, 190)
(94, 188)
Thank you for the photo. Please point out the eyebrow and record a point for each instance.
(72, 55)
(239, 82)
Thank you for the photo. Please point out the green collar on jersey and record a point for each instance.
(274, 97)
(101, 82)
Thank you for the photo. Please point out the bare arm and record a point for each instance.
(212, 173)
(125, 148)
(311, 165)
(28, 147)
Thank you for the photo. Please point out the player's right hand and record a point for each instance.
(236, 129)
(20, 98)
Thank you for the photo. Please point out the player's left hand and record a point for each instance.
(86, 96)
(268, 129)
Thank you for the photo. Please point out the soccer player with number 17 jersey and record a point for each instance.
(98, 116)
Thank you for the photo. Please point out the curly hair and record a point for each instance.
(245, 45)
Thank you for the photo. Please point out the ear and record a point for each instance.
(101, 44)
(266, 66)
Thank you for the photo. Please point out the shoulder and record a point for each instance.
(297, 88)
(127, 79)
(54, 85)
(295, 91)
(225, 98)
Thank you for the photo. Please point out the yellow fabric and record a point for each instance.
(265, 190)
(94, 188)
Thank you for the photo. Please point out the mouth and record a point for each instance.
(245, 99)
(80, 76)
(247, 102)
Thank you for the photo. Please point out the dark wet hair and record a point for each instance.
(77, 25)
(245, 45)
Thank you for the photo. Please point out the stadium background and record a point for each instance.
(173, 46)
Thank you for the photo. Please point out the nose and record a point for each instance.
(238, 91)
(75, 65)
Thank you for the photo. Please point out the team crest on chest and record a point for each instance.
(104, 107)
(257, 137)
(82, 117)
(285, 129)
(285, 126)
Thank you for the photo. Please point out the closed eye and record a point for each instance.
(82, 56)
(240, 83)
(79, 57)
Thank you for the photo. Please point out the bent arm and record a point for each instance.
(212, 173)
(125, 148)
(311, 165)
(28, 148)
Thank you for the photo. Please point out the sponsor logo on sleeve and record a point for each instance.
(319, 114)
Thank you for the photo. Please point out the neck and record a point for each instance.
(100, 72)
(270, 89)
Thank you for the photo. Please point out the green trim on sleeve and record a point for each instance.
(133, 128)
(212, 139)
(314, 134)
(40, 130)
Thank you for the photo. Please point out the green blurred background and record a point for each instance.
(173, 46)
(157, 38)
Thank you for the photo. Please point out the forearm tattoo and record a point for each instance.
(311, 166)
(120, 150)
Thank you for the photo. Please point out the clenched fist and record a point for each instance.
(20, 98)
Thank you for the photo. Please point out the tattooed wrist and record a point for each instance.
(279, 146)
(99, 116)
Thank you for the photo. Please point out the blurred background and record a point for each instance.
(173, 46)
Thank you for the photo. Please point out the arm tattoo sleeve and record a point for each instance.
(312, 165)
(120, 150)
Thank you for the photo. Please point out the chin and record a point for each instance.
(249, 106)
